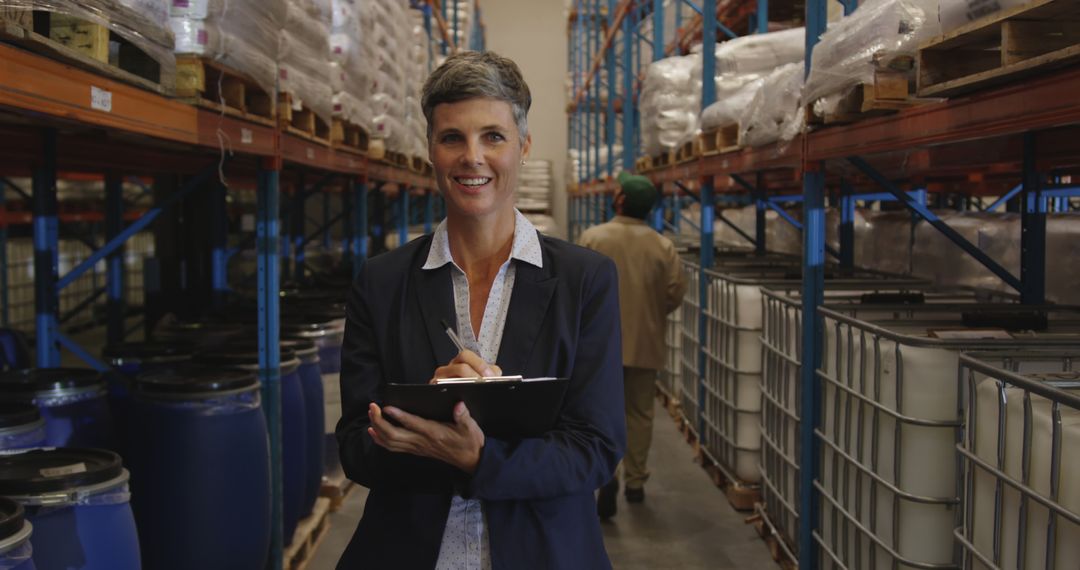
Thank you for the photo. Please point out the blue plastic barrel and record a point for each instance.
(201, 470)
(21, 427)
(77, 500)
(129, 359)
(72, 401)
(311, 382)
(327, 332)
(293, 422)
(15, 550)
(202, 334)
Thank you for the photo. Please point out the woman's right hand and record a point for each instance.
(467, 364)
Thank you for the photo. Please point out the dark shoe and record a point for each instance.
(635, 495)
(605, 502)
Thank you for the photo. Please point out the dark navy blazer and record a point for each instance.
(563, 320)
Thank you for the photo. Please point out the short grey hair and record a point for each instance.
(471, 74)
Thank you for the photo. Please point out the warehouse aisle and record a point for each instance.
(685, 522)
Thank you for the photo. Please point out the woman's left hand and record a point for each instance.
(458, 443)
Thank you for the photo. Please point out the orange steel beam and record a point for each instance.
(41, 85)
(620, 13)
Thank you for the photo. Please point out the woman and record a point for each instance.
(444, 495)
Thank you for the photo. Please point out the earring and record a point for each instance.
(523, 163)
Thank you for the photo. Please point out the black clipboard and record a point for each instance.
(522, 408)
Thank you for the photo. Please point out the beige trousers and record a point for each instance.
(639, 388)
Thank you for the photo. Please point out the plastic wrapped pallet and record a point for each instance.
(1063, 242)
(144, 23)
(738, 91)
(670, 103)
(945, 264)
(239, 34)
(775, 113)
(303, 67)
(883, 241)
(956, 13)
(534, 186)
(881, 34)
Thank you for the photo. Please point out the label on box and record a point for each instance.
(100, 99)
(311, 153)
(63, 470)
(247, 222)
(246, 136)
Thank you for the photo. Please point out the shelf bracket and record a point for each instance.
(925, 213)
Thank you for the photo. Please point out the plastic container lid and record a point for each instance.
(147, 350)
(11, 518)
(193, 380)
(48, 380)
(41, 471)
(14, 414)
(238, 355)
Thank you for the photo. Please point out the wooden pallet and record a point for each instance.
(309, 534)
(397, 159)
(641, 165)
(85, 45)
(205, 83)
(304, 122)
(772, 540)
(724, 139)
(888, 93)
(336, 489)
(686, 152)
(1002, 47)
(376, 149)
(418, 164)
(348, 135)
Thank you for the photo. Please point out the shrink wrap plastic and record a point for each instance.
(774, 113)
(733, 95)
(144, 23)
(879, 35)
(671, 92)
(937, 258)
(956, 13)
(241, 40)
(303, 62)
(883, 241)
(352, 75)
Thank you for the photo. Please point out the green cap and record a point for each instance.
(640, 194)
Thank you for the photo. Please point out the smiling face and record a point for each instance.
(476, 150)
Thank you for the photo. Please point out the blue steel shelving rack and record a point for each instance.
(1034, 126)
(48, 127)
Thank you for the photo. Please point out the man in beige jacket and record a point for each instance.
(651, 285)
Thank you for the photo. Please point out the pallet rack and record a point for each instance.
(1017, 140)
(58, 121)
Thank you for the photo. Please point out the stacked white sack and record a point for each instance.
(303, 68)
(351, 72)
(239, 34)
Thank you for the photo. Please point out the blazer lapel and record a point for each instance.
(435, 297)
(533, 288)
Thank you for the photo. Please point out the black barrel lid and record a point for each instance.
(41, 471)
(148, 350)
(47, 379)
(199, 331)
(292, 323)
(245, 346)
(230, 355)
(13, 414)
(193, 379)
(11, 518)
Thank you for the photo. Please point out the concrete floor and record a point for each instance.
(685, 522)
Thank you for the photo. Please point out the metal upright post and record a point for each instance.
(114, 283)
(429, 210)
(762, 16)
(403, 217)
(594, 103)
(847, 226)
(220, 244)
(812, 298)
(708, 199)
(46, 256)
(360, 224)
(266, 233)
(760, 206)
(326, 217)
(609, 119)
(4, 316)
(299, 221)
(658, 30)
(658, 212)
(1032, 230)
(628, 103)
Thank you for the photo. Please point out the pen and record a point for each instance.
(453, 336)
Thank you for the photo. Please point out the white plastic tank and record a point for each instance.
(891, 420)
(1007, 423)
